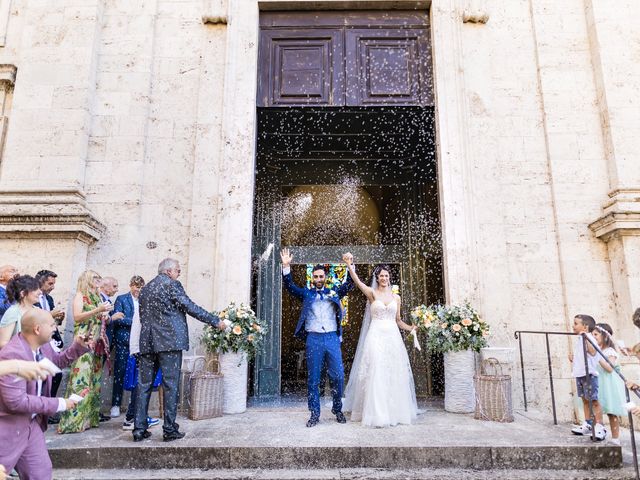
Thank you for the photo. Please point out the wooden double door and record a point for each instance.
(344, 59)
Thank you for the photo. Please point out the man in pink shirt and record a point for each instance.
(26, 405)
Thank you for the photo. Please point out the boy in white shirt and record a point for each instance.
(586, 381)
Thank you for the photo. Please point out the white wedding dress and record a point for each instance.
(381, 391)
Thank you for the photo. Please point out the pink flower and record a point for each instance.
(237, 330)
(466, 322)
(456, 328)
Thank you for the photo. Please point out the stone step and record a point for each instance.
(626, 473)
(190, 455)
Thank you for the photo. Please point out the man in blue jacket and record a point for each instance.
(7, 272)
(320, 325)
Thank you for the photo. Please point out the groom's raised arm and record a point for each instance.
(287, 280)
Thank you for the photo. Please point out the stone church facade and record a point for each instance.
(129, 135)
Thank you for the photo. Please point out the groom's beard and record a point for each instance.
(319, 286)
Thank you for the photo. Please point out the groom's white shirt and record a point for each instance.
(323, 314)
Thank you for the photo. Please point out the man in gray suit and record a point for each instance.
(164, 335)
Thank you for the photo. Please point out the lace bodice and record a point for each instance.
(383, 312)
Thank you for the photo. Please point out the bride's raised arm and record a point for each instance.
(367, 290)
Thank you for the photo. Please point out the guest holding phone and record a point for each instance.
(90, 319)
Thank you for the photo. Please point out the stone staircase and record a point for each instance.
(274, 444)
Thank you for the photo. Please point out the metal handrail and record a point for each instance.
(585, 338)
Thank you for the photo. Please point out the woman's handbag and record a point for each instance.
(205, 393)
(131, 375)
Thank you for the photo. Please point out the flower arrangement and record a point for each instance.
(244, 332)
(451, 328)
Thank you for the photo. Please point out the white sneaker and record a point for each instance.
(614, 441)
(584, 429)
(115, 412)
(601, 432)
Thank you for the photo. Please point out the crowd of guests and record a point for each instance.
(106, 330)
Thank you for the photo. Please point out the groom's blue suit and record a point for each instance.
(321, 347)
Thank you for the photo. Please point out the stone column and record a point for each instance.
(613, 29)
(236, 172)
(455, 178)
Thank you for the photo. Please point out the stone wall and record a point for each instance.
(132, 126)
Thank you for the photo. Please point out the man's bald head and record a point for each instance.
(7, 272)
(109, 286)
(37, 325)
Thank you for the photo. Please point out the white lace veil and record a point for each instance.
(355, 366)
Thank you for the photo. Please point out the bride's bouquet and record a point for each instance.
(451, 328)
(244, 332)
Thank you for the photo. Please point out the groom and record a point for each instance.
(320, 325)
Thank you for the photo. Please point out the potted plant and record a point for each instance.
(240, 341)
(458, 332)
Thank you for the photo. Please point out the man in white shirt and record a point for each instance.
(47, 282)
(123, 333)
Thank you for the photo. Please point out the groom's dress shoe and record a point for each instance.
(313, 421)
(139, 436)
(340, 418)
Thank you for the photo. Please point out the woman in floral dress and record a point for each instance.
(90, 318)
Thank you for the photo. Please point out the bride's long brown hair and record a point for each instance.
(379, 268)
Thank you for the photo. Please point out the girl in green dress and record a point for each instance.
(90, 318)
(610, 386)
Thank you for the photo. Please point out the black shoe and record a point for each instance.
(141, 435)
(104, 418)
(54, 420)
(313, 421)
(175, 435)
(340, 418)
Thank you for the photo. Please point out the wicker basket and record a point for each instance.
(205, 394)
(493, 393)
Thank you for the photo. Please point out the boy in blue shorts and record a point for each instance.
(586, 381)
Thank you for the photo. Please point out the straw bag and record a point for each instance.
(205, 394)
(493, 393)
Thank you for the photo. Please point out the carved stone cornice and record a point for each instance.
(475, 16)
(35, 213)
(621, 215)
(215, 12)
(8, 74)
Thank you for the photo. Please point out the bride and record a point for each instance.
(380, 391)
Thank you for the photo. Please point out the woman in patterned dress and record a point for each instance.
(90, 318)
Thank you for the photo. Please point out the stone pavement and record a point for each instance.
(272, 438)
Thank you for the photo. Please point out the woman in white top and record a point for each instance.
(23, 291)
